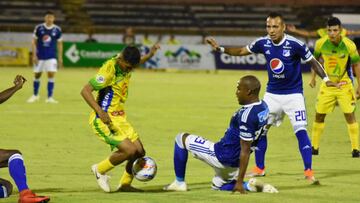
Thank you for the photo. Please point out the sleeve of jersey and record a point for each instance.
(247, 127)
(255, 46)
(35, 33)
(317, 49)
(321, 32)
(59, 35)
(103, 78)
(354, 54)
(305, 52)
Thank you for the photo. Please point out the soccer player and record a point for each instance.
(14, 160)
(230, 156)
(321, 32)
(338, 53)
(108, 120)
(284, 93)
(46, 44)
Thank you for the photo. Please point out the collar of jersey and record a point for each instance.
(252, 104)
(119, 71)
(281, 42)
(49, 28)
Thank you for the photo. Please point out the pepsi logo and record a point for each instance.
(46, 38)
(276, 65)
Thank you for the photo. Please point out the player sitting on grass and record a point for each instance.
(230, 156)
(14, 160)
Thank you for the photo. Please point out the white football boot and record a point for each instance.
(176, 186)
(33, 98)
(102, 180)
(255, 185)
(51, 100)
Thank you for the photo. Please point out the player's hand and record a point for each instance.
(154, 48)
(104, 117)
(312, 83)
(239, 188)
(212, 42)
(60, 63)
(333, 84)
(291, 27)
(35, 59)
(19, 81)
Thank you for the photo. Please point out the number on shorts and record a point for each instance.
(300, 115)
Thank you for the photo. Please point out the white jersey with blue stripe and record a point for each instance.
(283, 62)
(46, 38)
(246, 124)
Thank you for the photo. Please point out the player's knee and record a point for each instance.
(131, 152)
(180, 139)
(140, 153)
(12, 152)
(6, 188)
(320, 118)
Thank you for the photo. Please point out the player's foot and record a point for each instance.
(51, 100)
(33, 98)
(314, 151)
(309, 175)
(176, 186)
(27, 196)
(355, 153)
(102, 180)
(128, 188)
(256, 172)
(255, 185)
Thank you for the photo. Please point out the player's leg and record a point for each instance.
(38, 68)
(316, 132)
(51, 68)
(5, 188)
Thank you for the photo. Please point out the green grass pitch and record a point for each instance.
(59, 146)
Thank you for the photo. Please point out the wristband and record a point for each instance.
(326, 78)
(220, 49)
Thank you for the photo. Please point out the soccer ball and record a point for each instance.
(144, 169)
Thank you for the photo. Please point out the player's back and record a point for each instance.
(47, 38)
(245, 124)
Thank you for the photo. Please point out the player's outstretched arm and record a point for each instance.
(86, 93)
(304, 33)
(234, 51)
(244, 161)
(353, 32)
(18, 83)
(153, 50)
(317, 67)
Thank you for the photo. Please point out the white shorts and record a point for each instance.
(48, 65)
(203, 150)
(293, 105)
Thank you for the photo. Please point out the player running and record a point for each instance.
(230, 156)
(284, 93)
(338, 53)
(14, 160)
(108, 120)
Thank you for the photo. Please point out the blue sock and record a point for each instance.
(17, 171)
(228, 186)
(36, 86)
(180, 159)
(260, 152)
(304, 148)
(3, 192)
(50, 87)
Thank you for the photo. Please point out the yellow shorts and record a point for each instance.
(120, 129)
(329, 96)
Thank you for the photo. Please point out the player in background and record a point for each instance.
(14, 160)
(284, 93)
(108, 119)
(230, 156)
(47, 49)
(338, 53)
(321, 32)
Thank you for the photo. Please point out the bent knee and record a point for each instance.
(180, 139)
(6, 188)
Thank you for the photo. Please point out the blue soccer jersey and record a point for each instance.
(47, 38)
(283, 63)
(247, 124)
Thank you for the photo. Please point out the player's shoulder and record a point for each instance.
(321, 41)
(293, 40)
(348, 42)
(57, 27)
(38, 26)
(262, 39)
(252, 110)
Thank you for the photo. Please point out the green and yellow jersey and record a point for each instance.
(337, 59)
(322, 32)
(112, 84)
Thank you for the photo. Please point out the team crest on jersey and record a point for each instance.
(286, 52)
(100, 79)
(276, 66)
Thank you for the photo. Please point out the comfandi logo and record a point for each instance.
(73, 54)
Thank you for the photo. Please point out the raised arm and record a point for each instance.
(18, 83)
(153, 50)
(352, 32)
(234, 51)
(244, 161)
(303, 33)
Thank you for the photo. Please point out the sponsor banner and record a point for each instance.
(10, 55)
(81, 54)
(181, 57)
(249, 62)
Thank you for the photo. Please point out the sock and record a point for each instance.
(17, 171)
(317, 131)
(180, 159)
(3, 191)
(126, 178)
(304, 148)
(36, 86)
(228, 186)
(50, 87)
(105, 166)
(260, 152)
(353, 130)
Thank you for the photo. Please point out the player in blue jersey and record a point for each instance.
(47, 55)
(284, 93)
(14, 160)
(230, 156)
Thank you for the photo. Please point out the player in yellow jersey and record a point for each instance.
(108, 120)
(338, 53)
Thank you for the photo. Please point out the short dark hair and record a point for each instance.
(275, 14)
(252, 83)
(131, 54)
(48, 12)
(332, 21)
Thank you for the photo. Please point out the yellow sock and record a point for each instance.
(353, 130)
(126, 178)
(316, 133)
(105, 166)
